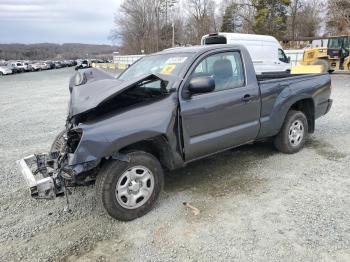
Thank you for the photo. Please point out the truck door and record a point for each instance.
(225, 117)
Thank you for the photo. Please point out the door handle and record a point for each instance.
(247, 98)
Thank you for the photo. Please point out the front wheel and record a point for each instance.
(291, 137)
(128, 190)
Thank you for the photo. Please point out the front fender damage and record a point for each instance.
(99, 134)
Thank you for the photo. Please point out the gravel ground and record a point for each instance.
(256, 204)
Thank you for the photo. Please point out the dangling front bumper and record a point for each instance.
(34, 166)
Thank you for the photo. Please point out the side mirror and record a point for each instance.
(201, 84)
(288, 59)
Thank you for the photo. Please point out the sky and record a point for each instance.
(57, 21)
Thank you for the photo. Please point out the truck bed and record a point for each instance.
(275, 75)
(280, 91)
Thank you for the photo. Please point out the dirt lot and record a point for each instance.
(256, 204)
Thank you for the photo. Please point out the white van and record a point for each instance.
(266, 52)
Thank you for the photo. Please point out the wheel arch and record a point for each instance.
(303, 103)
(273, 124)
(307, 106)
(158, 146)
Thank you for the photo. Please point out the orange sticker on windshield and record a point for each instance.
(168, 69)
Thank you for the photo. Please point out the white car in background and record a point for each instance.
(22, 66)
(4, 70)
(44, 66)
(15, 67)
(35, 67)
(82, 64)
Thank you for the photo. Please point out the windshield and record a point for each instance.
(335, 43)
(169, 64)
(346, 43)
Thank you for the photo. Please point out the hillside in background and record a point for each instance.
(54, 51)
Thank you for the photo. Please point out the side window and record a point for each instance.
(226, 69)
(282, 56)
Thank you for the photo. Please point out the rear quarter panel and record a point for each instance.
(278, 95)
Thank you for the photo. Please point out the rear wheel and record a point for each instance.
(128, 190)
(291, 137)
(1, 73)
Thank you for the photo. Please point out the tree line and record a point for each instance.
(152, 25)
(46, 51)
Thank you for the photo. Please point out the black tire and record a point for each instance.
(330, 71)
(323, 63)
(109, 176)
(282, 141)
(59, 144)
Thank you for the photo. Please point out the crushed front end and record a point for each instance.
(42, 174)
(48, 175)
(103, 117)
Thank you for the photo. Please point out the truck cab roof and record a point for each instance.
(199, 48)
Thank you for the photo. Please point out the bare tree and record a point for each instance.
(201, 19)
(135, 23)
(150, 24)
(144, 25)
(338, 21)
(305, 18)
(294, 10)
(310, 18)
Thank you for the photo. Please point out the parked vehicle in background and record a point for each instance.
(63, 64)
(36, 67)
(15, 67)
(31, 66)
(4, 70)
(51, 64)
(82, 64)
(166, 110)
(44, 66)
(57, 64)
(23, 66)
(266, 52)
(68, 63)
(334, 57)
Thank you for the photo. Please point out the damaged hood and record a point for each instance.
(91, 88)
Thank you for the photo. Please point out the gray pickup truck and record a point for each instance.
(166, 110)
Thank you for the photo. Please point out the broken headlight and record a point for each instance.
(73, 139)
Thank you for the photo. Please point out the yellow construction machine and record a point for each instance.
(333, 58)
